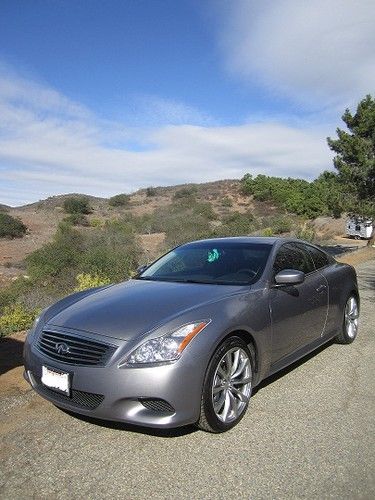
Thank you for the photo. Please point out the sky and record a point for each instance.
(103, 97)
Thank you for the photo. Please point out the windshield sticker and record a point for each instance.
(213, 255)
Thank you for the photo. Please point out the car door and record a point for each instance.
(298, 312)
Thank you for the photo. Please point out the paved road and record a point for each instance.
(309, 433)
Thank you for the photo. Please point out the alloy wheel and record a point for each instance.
(351, 317)
(231, 386)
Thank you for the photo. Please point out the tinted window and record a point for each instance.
(216, 262)
(290, 256)
(320, 258)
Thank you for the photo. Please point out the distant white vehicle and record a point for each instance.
(359, 227)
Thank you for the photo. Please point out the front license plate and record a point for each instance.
(58, 381)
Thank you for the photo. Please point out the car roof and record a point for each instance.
(243, 239)
(275, 241)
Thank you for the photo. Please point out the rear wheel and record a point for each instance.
(350, 321)
(227, 387)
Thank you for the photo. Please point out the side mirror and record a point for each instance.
(289, 277)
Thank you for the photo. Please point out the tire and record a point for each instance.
(227, 387)
(349, 329)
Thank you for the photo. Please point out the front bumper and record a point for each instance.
(162, 396)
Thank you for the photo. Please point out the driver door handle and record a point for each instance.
(321, 288)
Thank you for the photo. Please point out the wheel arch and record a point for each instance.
(250, 341)
(356, 295)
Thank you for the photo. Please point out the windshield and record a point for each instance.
(211, 263)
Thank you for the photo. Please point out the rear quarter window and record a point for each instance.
(320, 258)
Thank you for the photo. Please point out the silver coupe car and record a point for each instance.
(187, 339)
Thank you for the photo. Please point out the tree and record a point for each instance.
(355, 158)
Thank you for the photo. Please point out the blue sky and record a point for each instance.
(109, 96)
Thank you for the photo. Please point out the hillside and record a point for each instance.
(43, 217)
(225, 198)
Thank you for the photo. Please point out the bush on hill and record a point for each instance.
(323, 196)
(10, 227)
(236, 224)
(186, 193)
(77, 205)
(77, 220)
(111, 251)
(119, 200)
(151, 191)
(56, 258)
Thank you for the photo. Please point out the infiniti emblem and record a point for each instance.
(62, 348)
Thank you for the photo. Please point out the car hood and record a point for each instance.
(134, 307)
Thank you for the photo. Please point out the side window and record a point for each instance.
(320, 258)
(290, 256)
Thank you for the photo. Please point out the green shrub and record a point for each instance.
(323, 196)
(77, 205)
(119, 200)
(151, 191)
(237, 224)
(85, 280)
(182, 220)
(96, 222)
(306, 232)
(11, 293)
(281, 224)
(56, 258)
(267, 231)
(185, 193)
(226, 202)
(15, 318)
(204, 210)
(111, 251)
(76, 220)
(11, 227)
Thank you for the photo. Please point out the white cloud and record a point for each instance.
(155, 110)
(59, 146)
(319, 53)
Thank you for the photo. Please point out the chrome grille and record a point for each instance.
(74, 350)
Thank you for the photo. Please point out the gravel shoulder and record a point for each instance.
(309, 433)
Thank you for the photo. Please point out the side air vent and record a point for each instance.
(157, 405)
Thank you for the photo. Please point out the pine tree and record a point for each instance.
(355, 159)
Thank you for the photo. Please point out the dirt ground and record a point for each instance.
(354, 258)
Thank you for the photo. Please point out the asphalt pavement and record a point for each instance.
(309, 433)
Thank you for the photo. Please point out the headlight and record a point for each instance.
(166, 348)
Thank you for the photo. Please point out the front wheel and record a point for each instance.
(227, 387)
(350, 321)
